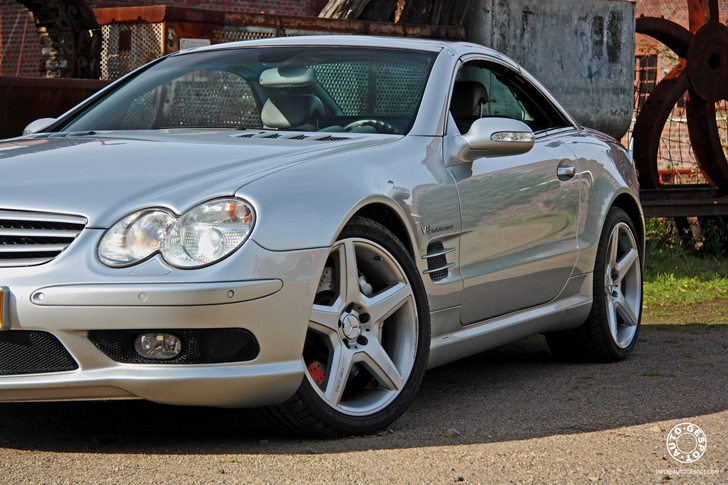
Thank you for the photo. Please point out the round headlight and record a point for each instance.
(208, 233)
(201, 236)
(135, 237)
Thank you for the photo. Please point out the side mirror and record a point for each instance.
(38, 125)
(495, 137)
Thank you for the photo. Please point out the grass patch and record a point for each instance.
(654, 373)
(677, 272)
(677, 282)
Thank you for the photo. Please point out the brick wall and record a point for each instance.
(13, 18)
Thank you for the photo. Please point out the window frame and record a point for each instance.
(538, 89)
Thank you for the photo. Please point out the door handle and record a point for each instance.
(565, 172)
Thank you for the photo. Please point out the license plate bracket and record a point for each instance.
(4, 308)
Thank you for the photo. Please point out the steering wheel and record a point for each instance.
(380, 126)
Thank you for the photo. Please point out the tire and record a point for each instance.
(365, 356)
(610, 332)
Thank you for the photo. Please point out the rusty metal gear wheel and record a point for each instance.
(703, 74)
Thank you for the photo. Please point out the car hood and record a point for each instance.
(104, 176)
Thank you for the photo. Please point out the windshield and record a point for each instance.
(332, 89)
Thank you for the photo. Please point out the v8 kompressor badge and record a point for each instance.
(430, 229)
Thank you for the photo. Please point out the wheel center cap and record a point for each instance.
(350, 326)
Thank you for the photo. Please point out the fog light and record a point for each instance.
(158, 346)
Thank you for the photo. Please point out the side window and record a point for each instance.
(484, 89)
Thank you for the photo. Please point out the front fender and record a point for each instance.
(307, 205)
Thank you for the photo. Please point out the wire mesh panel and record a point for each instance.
(234, 33)
(397, 86)
(297, 32)
(347, 83)
(214, 99)
(202, 99)
(128, 46)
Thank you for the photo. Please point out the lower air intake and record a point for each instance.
(26, 352)
(200, 346)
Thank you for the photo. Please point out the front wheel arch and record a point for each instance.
(629, 205)
(387, 217)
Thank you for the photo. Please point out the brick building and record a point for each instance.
(18, 34)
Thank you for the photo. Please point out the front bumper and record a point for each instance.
(267, 293)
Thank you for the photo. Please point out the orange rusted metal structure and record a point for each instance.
(703, 74)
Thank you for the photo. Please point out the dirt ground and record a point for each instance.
(510, 415)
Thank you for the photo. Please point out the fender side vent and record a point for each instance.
(437, 265)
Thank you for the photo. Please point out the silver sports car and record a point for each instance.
(307, 224)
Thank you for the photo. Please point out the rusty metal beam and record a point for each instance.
(678, 201)
(178, 14)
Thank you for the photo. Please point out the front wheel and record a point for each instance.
(368, 338)
(610, 331)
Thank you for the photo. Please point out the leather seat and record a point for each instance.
(291, 111)
(468, 98)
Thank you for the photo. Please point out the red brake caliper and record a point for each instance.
(317, 373)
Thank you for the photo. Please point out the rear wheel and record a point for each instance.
(610, 332)
(368, 338)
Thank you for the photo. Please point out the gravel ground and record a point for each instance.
(510, 415)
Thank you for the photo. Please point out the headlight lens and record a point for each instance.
(209, 232)
(135, 237)
(201, 236)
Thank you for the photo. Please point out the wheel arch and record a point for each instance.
(631, 206)
(389, 218)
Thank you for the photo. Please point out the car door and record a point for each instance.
(519, 213)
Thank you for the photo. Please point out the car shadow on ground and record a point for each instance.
(515, 392)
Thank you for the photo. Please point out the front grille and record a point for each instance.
(26, 352)
(199, 346)
(31, 238)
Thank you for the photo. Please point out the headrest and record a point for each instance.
(291, 110)
(466, 97)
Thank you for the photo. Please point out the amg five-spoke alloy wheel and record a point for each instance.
(610, 332)
(368, 338)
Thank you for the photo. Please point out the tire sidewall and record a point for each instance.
(614, 217)
(344, 423)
